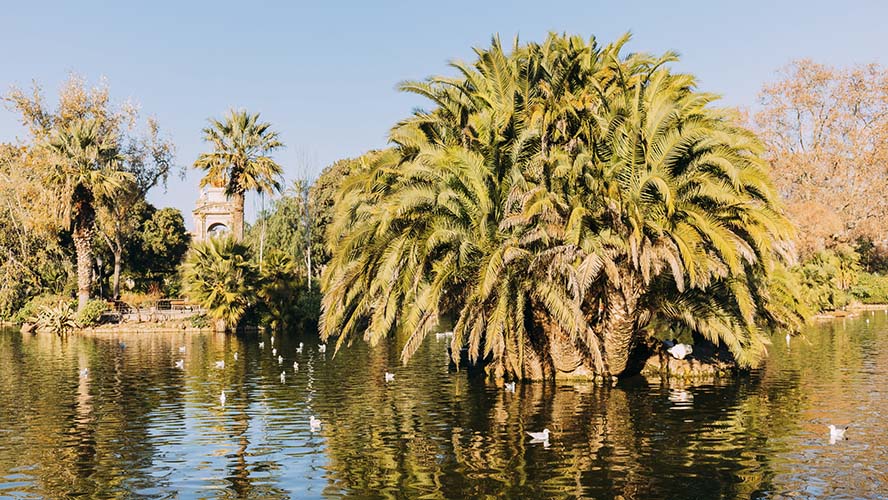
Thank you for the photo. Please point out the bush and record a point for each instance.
(92, 313)
(871, 288)
(199, 321)
(58, 319)
(29, 312)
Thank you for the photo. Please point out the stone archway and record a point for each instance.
(214, 214)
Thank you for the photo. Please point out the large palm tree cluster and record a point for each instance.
(559, 202)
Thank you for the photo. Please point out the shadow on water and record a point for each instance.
(137, 426)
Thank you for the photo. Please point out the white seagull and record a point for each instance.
(295, 366)
(180, 364)
(299, 349)
(679, 351)
(539, 436)
(182, 348)
(222, 398)
(389, 377)
(788, 339)
(272, 340)
(322, 348)
(314, 424)
(220, 364)
(283, 377)
(261, 345)
(274, 352)
(836, 433)
(509, 386)
(235, 355)
(84, 373)
(280, 359)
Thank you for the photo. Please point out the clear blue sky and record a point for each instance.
(324, 72)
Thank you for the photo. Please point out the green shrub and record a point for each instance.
(199, 321)
(871, 288)
(92, 313)
(59, 319)
(29, 312)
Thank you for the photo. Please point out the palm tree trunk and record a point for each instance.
(619, 326)
(84, 217)
(83, 247)
(118, 264)
(238, 229)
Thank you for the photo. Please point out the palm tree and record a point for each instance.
(240, 160)
(219, 276)
(87, 161)
(556, 201)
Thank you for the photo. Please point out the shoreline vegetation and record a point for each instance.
(569, 208)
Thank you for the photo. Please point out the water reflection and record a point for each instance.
(139, 426)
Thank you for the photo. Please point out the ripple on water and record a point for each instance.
(139, 426)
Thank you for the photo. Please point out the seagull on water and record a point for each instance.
(295, 366)
(283, 377)
(261, 345)
(274, 352)
(509, 386)
(679, 351)
(235, 355)
(540, 436)
(280, 359)
(322, 348)
(788, 339)
(836, 433)
(182, 349)
(299, 349)
(389, 377)
(84, 373)
(220, 364)
(314, 424)
(222, 398)
(180, 364)
(272, 340)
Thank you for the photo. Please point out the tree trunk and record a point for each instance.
(84, 216)
(619, 326)
(238, 219)
(118, 257)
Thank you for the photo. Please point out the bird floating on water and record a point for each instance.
(84, 373)
(274, 352)
(182, 349)
(788, 338)
(295, 366)
(322, 348)
(836, 433)
(122, 345)
(235, 355)
(261, 345)
(299, 349)
(283, 377)
(272, 340)
(509, 386)
(314, 424)
(220, 364)
(540, 436)
(679, 351)
(180, 364)
(222, 398)
(389, 377)
(280, 359)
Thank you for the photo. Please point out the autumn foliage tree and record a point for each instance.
(826, 130)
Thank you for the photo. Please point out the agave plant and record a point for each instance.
(59, 319)
(219, 276)
(555, 201)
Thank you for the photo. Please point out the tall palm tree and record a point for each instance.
(241, 159)
(87, 161)
(556, 201)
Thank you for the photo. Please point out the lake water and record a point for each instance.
(138, 427)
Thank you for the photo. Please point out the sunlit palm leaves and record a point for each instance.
(218, 275)
(554, 202)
